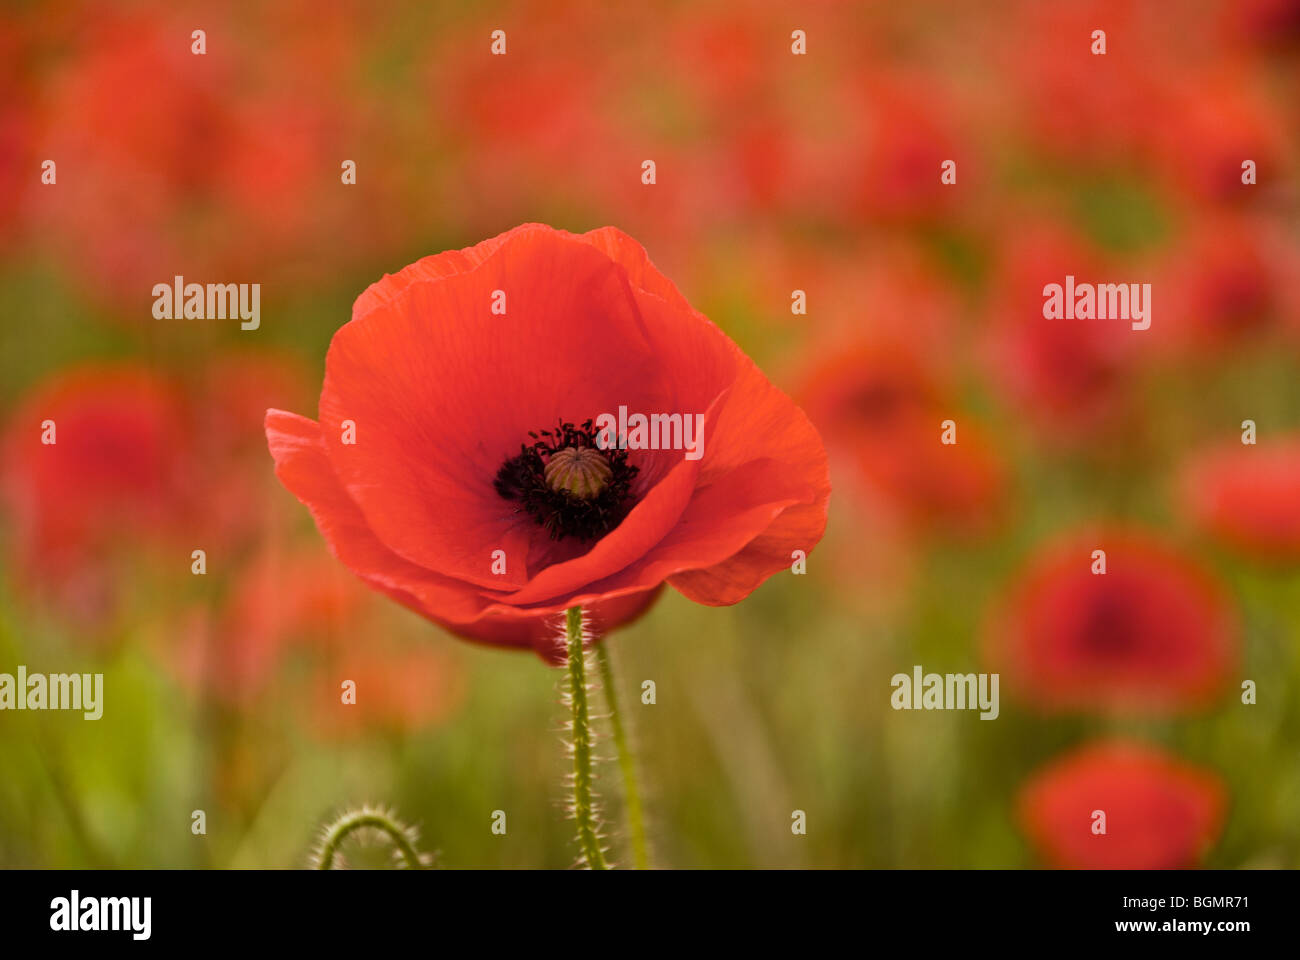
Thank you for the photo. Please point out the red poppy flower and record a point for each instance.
(286, 627)
(140, 466)
(279, 600)
(900, 131)
(516, 118)
(110, 475)
(881, 408)
(1233, 278)
(1070, 376)
(456, 501)
(231, 503)
(400, 686)
(164, 163)
(1249, 497)
(1268, 24)
(1152, 632)
(1061, 91)
(17, 97)
(1214, 122)
(1160, 813)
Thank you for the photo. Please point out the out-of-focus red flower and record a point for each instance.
(447, 398)
(771, 134)
(1268, 24)
(110, 481)
(1066, 94)
(132, 119)
(900, 133)
(878, 388)
(1211, 126)
(1153, 632)
(231, 505)
(1068, 376)
(1160, 813)
(881, 407)
(277, 602)
(512, 120)
(880, 398)
(289, 627)
(727, 59)
(1233, 278)
(17, 95)
(174, 163)
(1248, 497)
(399, 687)
(141, 463)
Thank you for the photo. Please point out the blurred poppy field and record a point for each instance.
(869, 199)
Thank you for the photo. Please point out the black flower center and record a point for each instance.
(567, 483)
(1108, 629)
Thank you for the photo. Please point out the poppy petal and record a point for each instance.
(438, 405)
(799, 527)
(304, 468)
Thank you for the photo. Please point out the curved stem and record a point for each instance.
(355, 820)
(583, 809)
(626, 763)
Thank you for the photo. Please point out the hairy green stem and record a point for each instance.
(355, 820)
(583, 809)
(626, 763)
